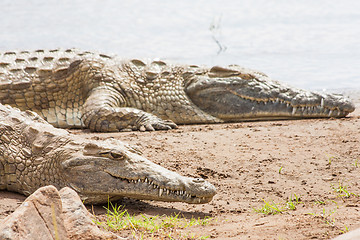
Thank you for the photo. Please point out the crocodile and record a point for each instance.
(71, 88)
(33, 154)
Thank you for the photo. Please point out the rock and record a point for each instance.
(352, 235)
(78, 221)
(48, 214)
(38, 217)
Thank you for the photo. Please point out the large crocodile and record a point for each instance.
(72, 88)
(34, 154)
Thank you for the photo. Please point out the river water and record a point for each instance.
(308, 44)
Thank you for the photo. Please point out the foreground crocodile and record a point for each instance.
(34, 154)
(71, 88)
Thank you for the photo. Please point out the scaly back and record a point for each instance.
(48, 82)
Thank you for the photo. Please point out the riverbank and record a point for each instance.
(314, 162)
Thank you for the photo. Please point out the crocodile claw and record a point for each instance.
(157, 124)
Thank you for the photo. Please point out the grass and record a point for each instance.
(326, 217)
(273, 208)
(144, 227)
(320, 202)
(342, 191)
(356, 163)
(292, 202)
(330, 160)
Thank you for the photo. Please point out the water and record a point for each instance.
(308, 44)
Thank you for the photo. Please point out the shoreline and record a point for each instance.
(243, 160)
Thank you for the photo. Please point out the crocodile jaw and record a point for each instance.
(236, 99)
(98, 179)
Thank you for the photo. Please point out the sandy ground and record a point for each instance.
(251, 162)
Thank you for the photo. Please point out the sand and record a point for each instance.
(253, 162)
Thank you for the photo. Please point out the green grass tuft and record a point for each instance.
(145, 227)
(326, 217)
(342, 191)
(356, 163)
(273, 208)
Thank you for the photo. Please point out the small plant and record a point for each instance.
(329, 221)
(215, 29)
(342, 191)
(346, 229)
(280, 170)
(330, 159)
(269, 208)
(273, 208)
(325, 216)
(142, 227)
(291, 204)
(320, 202)
(356, 163)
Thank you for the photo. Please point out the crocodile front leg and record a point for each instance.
(104, 111)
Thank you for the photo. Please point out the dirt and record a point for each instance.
(253, 162)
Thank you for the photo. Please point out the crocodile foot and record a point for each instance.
(124, 119)
(156, 123)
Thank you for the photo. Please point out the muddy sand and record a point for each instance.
(251, 163)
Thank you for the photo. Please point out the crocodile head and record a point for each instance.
(236, 94)
(112, 170)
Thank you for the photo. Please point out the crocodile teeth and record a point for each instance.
(331, 111)
(294, 110)
(162, 190)
(322, 102)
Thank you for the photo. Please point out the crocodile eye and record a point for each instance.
(104, 154)
(117, 155)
